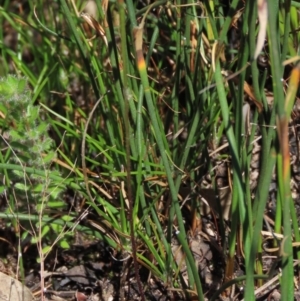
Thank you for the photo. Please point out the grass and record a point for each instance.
(136, 100)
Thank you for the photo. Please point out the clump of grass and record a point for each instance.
(178, 86)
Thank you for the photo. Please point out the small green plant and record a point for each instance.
(27, 133)
(29, 188)
(28, 146)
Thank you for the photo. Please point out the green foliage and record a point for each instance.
(29, 145)
(14, 90)
(157, 129)
(28, 136)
